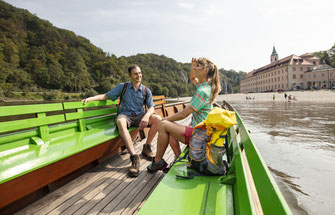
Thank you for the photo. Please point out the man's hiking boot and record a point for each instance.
(147, 152)
(135, 166)
(154, 167)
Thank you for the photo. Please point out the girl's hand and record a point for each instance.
(194, 62)
(193, 79)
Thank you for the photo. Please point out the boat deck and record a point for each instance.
(104, 189)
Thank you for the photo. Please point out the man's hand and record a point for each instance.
(86, 100)
(95, 98)
(144, 122)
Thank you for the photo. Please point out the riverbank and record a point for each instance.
(321, 96)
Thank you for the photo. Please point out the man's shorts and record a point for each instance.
(132, 120)
(187, 134)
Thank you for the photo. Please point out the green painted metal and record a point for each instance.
(86, 114)
(243, 197)
(25, 151)
(271, 199)
(8, 138)
(201, 195)
(29, 123)
(27, 109)
(43, 129)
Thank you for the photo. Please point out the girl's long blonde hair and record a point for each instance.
(212, 75)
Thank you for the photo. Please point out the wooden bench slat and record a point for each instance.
(158, 98)
(160, 102)
(29, 123)
(28, 109)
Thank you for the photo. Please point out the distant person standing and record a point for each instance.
(285, 95)
(273, 97)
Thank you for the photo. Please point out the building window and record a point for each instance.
(286, 69)
(308, 68)
(323, 74)
(301, 69)
(331, 74)
(293, 76)
(314, 75)
(282, 86)
(293, 68)
(301, 76)
(309, 75)
(275, 79)
(314, 62)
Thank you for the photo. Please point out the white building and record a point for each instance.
(290, 73)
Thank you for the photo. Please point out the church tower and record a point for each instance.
(274, 55)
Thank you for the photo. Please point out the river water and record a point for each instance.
(297, 142)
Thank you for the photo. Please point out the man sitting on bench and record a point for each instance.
(133, 96)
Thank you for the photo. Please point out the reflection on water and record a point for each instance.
(297, 141)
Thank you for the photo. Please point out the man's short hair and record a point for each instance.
(132, 67)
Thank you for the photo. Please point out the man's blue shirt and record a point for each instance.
(132, 101)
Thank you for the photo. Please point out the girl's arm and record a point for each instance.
(180, 115)
(193, 79)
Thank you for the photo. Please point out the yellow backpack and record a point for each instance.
(208, 144)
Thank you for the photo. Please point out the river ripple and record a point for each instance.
(297, 142)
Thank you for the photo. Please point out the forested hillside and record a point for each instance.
(327, 56)
(36, 56)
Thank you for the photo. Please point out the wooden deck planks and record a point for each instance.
(106, 189)
(141, 196)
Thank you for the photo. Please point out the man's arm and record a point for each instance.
(145, 120)
(95, 98)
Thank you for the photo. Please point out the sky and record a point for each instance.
(236, 35)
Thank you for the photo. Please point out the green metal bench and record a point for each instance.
(42, 143)
(247, 189)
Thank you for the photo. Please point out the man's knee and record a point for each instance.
(121, 121)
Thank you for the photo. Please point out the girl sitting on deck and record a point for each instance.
(205, 75)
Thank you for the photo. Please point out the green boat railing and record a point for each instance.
(248, 188)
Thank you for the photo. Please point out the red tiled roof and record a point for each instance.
(274, 64)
